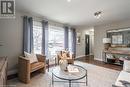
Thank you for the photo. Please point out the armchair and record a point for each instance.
(65, 55)
(26, 68)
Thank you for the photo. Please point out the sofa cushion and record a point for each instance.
(124, 76)
(37, 65)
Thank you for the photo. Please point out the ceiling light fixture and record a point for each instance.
(97, 14)
(69, 0)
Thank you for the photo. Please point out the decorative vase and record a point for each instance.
(63, 64)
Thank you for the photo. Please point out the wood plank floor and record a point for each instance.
(90, 59)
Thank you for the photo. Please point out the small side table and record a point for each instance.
(55, 59)
(48, 62)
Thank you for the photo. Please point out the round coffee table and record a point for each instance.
(66, 76)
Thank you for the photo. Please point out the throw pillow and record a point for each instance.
(31, 57)
(126, 66)
(26, 54)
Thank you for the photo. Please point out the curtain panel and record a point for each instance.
(74, 41)
(45, 37)
(66, 37)
(27, 34)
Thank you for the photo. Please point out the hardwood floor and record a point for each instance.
(90, 59)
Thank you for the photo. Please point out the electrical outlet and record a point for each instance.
(1, 43)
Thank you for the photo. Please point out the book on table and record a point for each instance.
(72, 69)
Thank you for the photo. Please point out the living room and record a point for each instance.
(72, 43)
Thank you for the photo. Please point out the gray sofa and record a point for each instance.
(123, 79)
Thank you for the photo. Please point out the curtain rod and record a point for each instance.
(34, 18)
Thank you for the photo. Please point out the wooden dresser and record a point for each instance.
(3, 71)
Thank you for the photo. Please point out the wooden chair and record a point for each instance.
(65, 55)
(26, 68)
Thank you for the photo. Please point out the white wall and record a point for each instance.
(100, 33)
(80, 48)
(11, 36)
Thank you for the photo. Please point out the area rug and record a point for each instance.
(97, 77)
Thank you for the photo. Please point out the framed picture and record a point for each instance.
(117, 39)
(78, 38)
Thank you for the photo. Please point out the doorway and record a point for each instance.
(87, 40)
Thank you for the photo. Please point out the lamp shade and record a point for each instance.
(106, 40)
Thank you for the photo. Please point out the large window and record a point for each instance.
(37, 37)
(56, 40)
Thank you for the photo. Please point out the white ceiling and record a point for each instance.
(78, 12)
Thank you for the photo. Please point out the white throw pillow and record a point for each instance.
(31, 57)
(26, 54)
(126, 66)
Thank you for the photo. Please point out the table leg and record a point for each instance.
(48, 66)
(105, 58)
(86, 80)
(55, 61)
(52, 79)
(69, 83)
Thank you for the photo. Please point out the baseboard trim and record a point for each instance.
(11, 72)
(80, 56)
(98, 59)
(12, 76)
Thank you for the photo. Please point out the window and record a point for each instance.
(56, 40)
(37, 37)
